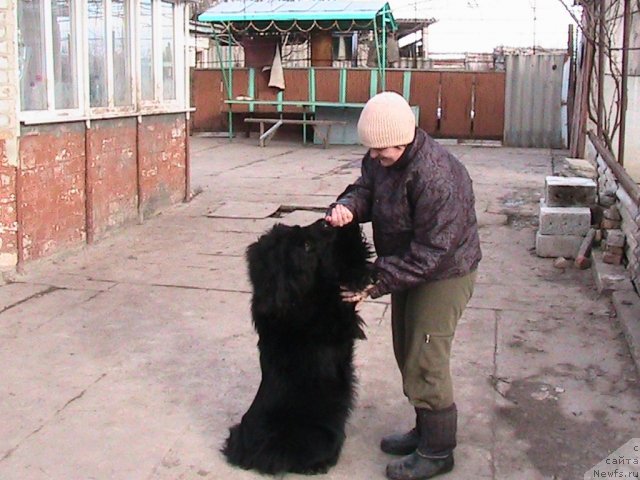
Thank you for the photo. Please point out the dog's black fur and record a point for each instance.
(296, 422)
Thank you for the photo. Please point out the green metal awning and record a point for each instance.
(304, 15)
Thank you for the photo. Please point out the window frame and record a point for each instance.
(110, 78)
(51, 111)
(179, 41)
(84, 111)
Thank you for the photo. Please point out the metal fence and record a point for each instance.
(533, 101)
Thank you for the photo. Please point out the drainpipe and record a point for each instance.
(139, 169)
(601, 35)
(19, 224)
(625, 76)
(187, 161)
(88, 186)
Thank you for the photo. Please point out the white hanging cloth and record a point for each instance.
(276, 79)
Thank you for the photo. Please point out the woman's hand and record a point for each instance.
(355, 297)
(339, 217)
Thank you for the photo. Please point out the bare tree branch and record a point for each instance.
(588, 12)
(612, 74)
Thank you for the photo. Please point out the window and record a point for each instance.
(109, 53)
(342, 46)
(64, 55)
(120, 32)
(78, 55)
(168, 51)
(98, 94)
(146, 50)
(159, 62)
(33, 77)
(48, 61)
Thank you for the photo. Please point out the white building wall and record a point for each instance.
(632, 135)
(8, 134)
(8, 68)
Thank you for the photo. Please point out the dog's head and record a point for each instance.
(289, 263)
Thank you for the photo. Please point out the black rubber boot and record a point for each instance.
(401, 443)
(434, 455)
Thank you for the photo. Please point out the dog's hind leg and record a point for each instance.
(316, 450)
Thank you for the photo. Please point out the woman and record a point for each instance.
(420, 200)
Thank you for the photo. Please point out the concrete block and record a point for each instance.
(606, 200)
(609, 278)
(564, 220)
(611, 213)
(610, 224)
(615, 238)
(627, 306)
(611, 258)
(576, 167)
(570, 192)
(614, 250)
(566, 246)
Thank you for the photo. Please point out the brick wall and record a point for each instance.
(162, 161)
(8, 140)
(612, 193)
(112, 174)
(52, 193)
(65, 199)
(8, 220)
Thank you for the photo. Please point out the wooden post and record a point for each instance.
(625, 77)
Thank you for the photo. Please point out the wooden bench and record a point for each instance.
(265, 136)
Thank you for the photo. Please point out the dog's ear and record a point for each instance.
(352, 254)
(273, 287)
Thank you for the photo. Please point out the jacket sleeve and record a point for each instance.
(357, 197)
(439, 223)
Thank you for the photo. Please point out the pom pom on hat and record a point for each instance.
(386, 121)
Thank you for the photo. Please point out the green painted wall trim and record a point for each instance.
(406, 85)
(312, 87)
(373, 84)
(252, 87)
(280, 97)
(343, 86)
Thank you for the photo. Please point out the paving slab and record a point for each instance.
(131, 358)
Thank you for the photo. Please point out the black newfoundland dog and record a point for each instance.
(296, 422)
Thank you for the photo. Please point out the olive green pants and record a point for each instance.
(423, 321)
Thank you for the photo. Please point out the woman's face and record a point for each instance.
(387, 156)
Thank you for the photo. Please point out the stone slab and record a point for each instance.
(550, 246)
(615, 238)
(627, 202)
(609, 277)
(627, 306)
(564, 220)
(575, 167)
(570, 191)
(611, 213)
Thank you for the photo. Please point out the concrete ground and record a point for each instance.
(130, 359)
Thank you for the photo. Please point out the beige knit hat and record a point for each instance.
(386, 121)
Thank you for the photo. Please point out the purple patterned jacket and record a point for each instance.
(422, 210)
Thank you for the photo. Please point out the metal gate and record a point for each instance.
(460, 104)
(534, 101)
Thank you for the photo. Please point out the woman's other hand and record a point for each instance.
(339, 217)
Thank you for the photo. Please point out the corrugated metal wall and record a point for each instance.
(533, 110)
